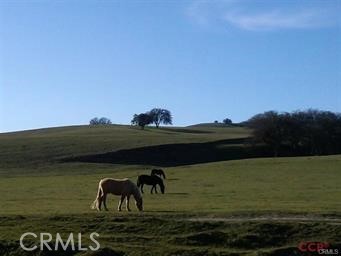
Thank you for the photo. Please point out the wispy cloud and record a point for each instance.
(243, 15)
(305, 19)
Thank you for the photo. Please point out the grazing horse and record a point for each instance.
(119, 187)
(158, 172)
(150, 180)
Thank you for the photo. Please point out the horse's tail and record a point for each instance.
(94, 204)
(138, 182)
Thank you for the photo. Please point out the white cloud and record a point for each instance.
(276, 20)
(248, 16)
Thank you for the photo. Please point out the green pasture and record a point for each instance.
(211, 206)
(304, 184)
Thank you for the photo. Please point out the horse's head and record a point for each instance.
(138, 199)
(139, 203)
(162, 173)
(162, 186)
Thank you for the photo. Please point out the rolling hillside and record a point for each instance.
(217, 202)
(44, 146)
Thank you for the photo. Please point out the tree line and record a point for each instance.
(311, 132)
(155, 116)
(100, 121)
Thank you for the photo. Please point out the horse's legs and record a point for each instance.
(151, 191)
(127, 203)
(120, 202)
(100, 203)
(155, 188)
(142, 188)
(105, 201)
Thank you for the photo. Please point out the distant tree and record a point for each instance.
(227, 121)
(216, 122)
(160, 116)
(94, 121)
(100, 121)
(142, 120)
(104, 120)
(311, 132)
(319, 130)
(267, 129)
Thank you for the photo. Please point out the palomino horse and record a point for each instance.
(150, 180)
(158, 172)
(119, 187)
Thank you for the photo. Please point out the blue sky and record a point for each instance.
(64, 62)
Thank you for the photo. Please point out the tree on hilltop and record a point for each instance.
(160, 116)
(142, 120)
(227, 121)
(100, 121)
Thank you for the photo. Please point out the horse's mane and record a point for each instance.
(158, 172)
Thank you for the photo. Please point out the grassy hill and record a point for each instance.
(38, 147)
(216, 202)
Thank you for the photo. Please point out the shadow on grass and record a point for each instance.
(185, 130)
(169, 155)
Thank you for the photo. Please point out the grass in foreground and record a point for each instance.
(164, 234)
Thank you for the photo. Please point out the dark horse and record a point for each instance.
(158, 172)
(150, 180)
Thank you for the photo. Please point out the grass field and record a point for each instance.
(305, 184)
(262, 206)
